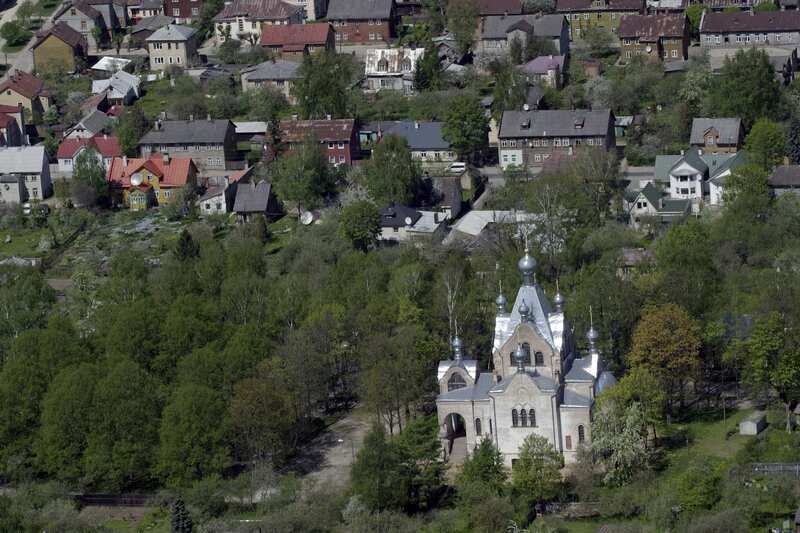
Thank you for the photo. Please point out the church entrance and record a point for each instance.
(456, 438)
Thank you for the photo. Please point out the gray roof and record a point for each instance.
(478, 392)
(188, 132)
(555, 123)
(710, 165)
(22, 159)
(419, 135)
(95, 121)
(728, 128)
(496, 26)
(172, 32)
(573, 399)
(543, 383)
(277, 69)
(395, 215)
(252, 198)
(211, 192)
(578, 371)
(785, 176)
(152, 23)
(359, 9)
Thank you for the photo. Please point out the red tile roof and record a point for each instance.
(10, 109)
(65, 33)
(500, 7)
(93, 101)
(5, 120)
(173, 174)
(23, 83)
(295, 131)
(287, 35)
(649, 28)
(257, 10)
(239, 175)
(107, 146)
(610, 5)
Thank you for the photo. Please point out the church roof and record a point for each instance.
(540, 312)
(476, 393)
(573, 399)
(543, 383)
(470, 365)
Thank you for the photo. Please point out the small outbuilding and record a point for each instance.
(753, 424)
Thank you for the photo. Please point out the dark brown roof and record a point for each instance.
(65, 33)
(610, 5)
(785, 176)
(258, 10)
(499, 7)
(23, 83)
(294, 131)
(766, 21)
(649, 28)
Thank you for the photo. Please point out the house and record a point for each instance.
(106, 147)
(203, 75)
(90, 125)
(695, 176)
(114, 13)
(139, 10)
(220, 194)
(401, 224)
(172, 45)
(716, 135)
(278, 74)
(298, 40)
(146, 27)
(425, 139)
(12, 189)
(139, 183)
(605, 14)
(255, 198)
(391, 69)
(652, 206)
(30, 163)
(783, 60)
(528, 138)
(544, 70)
(312, 9)
(59, 47)
(338, 137)
(498, 32)
(184, 11)
(84, 18)
(242, 20)
(540, 382)
(784, 179)
(11, 120)
(764, 28)
(121, 88)
(362, 21)
(657, 36)
(210, 143)
(24, 89)
(97, 102)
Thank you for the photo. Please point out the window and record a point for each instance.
(514, 463)
(171, 59)
(83, 25)
(477, 426)
(340, 145)
(218, 206)
(581, 435)
(330, 146)
(371, 36)
(176, 12)
(35, 192)
(674, 53)
(73, 12)
(159, 60)
(514, 418)
(538, 358)
(195, 11)
(523, 415)
(537, 157)
(341, 159)
(456, 382)
(241, 24)
(532, 417)
(684, 191)
(178, 60)
(332, 159)
(692, 190)
(568, 442)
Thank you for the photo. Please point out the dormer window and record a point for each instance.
(406, 65)
(579, 123)
(383, 65)
(456, 382)
(525, 124)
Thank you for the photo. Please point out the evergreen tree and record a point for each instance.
(793, 141)
(186, 248)
(428, 76)
(378, 474)
(180, 520)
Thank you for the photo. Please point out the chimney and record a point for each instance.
(124, 161)
(681, 152)
(166, 159)
(416, 125)
(191, 118)
(328, 116)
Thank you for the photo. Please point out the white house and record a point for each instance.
(121, 88)
(695, 176)
(30, 165)
(106, 146)
(391, 68)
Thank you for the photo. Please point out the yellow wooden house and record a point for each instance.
(140, 183)
(59, 48)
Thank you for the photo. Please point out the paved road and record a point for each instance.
(22, 60)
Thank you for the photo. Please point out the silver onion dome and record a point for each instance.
(592, 335)
(501, 303)
(527, 267)
(524, 310)
(458, 348)
(558, 301)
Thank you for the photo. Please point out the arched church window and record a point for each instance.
(532, 417)
(514, 418)
(456, 382)
(524, 416)
(581, 435)
(477, 426)
(539, 358)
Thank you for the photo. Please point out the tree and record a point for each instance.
(25, 12)
(510, 90)
(264, 104)
(599, 41)
(323, 86)
(465, 126)
(193, 436)
(392, 175)
(180, 519)
(14, 34)
(638, 386)
(90, 175)
(304, 175)
(515, 51)
(186, 248)
(130, 127)
(666, 341)
(462, 19)
(748, 180)
(538, 6)
(422, 451)
(765, 144)
(484, 466)
(793, 141)
(769, 359)
(619, 441)
(377, 474)
(428, 74)
(536, 477)
(746, 88)
(765, 6)
(694, 13)
(360, 223)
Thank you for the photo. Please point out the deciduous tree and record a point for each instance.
(466, 127)
(536, 477)
(360, 224)
(304, 176)
(392, 175)
(765, 143)
(323, 86)
(619, 441)
(462, 19)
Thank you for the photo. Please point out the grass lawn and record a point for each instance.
(24, 242)
(281, 231)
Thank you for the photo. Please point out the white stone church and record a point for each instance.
(538, 382)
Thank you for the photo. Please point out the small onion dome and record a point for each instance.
(524, 310)
(501, 303)
(592, 335)
(458, 347)
(558, 300)
(527, 265)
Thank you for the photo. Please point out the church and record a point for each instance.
(538, 382)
